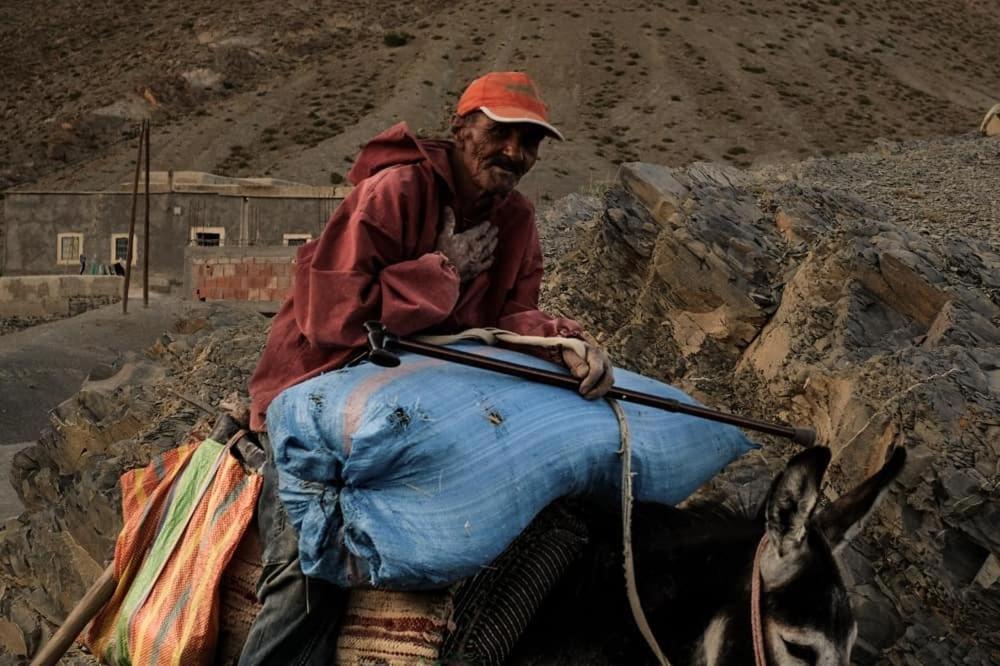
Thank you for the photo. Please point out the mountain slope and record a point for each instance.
(292, 89)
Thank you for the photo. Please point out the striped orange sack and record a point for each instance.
(184, 515)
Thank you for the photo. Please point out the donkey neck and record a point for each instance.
(694, 568)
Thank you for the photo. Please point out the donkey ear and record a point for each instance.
(840, 521)
(793, 497)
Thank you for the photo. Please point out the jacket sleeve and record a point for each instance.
(520, 313)
(358, 271)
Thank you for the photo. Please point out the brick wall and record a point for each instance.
(240, 274)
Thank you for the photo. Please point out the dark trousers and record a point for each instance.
(300, 618)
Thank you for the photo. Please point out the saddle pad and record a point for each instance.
(380, 627)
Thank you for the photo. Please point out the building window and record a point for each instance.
(208, 236)
(119, 248)
(294, 240)
(69, 247)
(207, 239)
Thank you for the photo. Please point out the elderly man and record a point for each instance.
(434, 238)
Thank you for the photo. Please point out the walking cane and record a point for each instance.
(382, 343)
(82, 613)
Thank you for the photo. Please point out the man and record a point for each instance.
(433, 239)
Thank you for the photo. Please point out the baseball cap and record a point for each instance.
(507, 97)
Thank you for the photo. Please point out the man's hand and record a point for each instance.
(471, 252)
(594, 372)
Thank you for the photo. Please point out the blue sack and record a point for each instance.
(417, 476)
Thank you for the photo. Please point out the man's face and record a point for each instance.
(496, 155)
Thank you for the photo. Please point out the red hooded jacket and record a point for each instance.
(376, 260)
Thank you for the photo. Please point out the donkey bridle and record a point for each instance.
(756, 626)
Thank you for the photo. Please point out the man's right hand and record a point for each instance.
(471, 251)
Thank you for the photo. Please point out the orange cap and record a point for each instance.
(507, 97)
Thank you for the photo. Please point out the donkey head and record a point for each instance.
(805, 610)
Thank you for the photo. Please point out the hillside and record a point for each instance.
(292, 89)
(813, 293)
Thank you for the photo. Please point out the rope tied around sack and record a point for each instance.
(630, 585)
(756, 623)
(493, 336)
(757, 630)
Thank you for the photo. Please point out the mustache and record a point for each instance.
(506, 163)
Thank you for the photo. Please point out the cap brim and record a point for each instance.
(513, 115)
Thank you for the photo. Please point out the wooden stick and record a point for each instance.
(131, 225)
(145, 235)
(84, 611)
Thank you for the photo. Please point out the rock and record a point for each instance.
(956, 323)
(991, 122)
(12, 639)
(989, 573)
(656, 187)
(876, 613)
(203, 79)
(789, 300)
(800, 222)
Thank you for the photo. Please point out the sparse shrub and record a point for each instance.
(336, 178)
(754, 69)
(396, 39)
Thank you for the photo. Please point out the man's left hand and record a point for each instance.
(594, 371)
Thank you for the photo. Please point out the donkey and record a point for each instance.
(695, 568)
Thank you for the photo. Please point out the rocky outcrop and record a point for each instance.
(792, 302)
(68, 481)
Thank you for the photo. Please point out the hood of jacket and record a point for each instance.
(398, 145)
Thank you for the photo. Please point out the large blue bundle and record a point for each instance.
(418, 476)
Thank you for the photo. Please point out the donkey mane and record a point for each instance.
(674, 531)
(702, 552)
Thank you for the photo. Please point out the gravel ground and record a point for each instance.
(938, 187)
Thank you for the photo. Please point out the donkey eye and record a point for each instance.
(806, 653)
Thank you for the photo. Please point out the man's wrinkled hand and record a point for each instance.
(471, 251)
(594, 370)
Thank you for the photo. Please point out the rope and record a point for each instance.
(756, 628)
(630, 585)
(492, 336)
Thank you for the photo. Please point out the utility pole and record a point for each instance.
(131, 225)
(145, 235)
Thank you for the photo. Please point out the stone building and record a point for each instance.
(46, 232)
